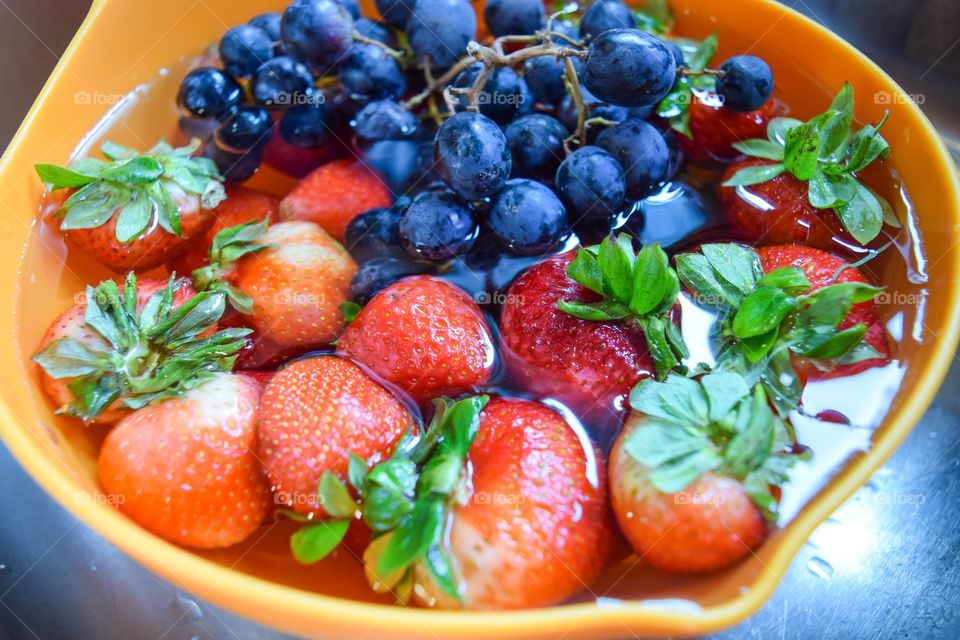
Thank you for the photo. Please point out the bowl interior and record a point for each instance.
(128, 88)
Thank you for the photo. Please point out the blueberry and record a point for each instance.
(395, 12)
(394, 160)
(373, 233)
(527, 217)
(677, 53)
(370, 29)
(641, 151)
(269, 22)
(438, 225)
(207, 92)
(503, 96)
(513, 17)
(384, 120)
(243, 129)
(316, 32)
(281, 82)
(746, 83)
(234, 167)
(441, 30)
(545, 77)
(591, 183)
(353, 6)
(676, 153)
(370, 73)
(309, 125)
(536, 146)
(376, 275)
(629, 67)
(472, 155)
(604, 15)
(245, 48)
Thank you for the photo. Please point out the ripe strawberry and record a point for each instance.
(779, 211)
(84, 356)
(294, 287)
(242, 205)
(186, 468)
(424, 335)
(315, 412)
(820, 268)
(589, 365)
(527, 526)
(335, 194)
(136, 211)
(692, 471)
(714, 128)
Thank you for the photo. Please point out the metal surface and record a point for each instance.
(886, 565)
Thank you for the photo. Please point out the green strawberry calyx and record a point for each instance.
(404, 500)
(716, 423)
(228, 246)
(134, 186)
(764, 319)
(151, 353)
(640, 288)
(675, 106)
(826, 153)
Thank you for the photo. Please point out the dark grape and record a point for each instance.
(527, 217)
(370, 73)
(514, 17)
(472, 155)
(536, 146)
(207, 92)
(628, 67)
(439, 225)
(318, 33)
(746, 83)
(641, 151)
(243, 129)
(441, 30)
(592, 185)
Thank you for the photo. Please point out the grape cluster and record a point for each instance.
(549, 125)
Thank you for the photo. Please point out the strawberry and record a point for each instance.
(801, 183)
(136, 211)
(589, 362)
(692, 471)
(298, 161)
(313, 413)
(493, 510)
(186, 468)
(822, 270)
(779, 211)
(424, 335)
(334, 194)
(776, 323)
(714, 128)
(125, 346)
(241, 206)
(290, 279)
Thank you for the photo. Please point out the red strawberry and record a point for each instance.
(241, 206)
(295, 286)
(589, 365)
(313, 414)
(335, 194)
(778, 212)
(424, 335)
(714, 128)
(186, 468)
(87, 376)
(136, 211)
(820, 268)
(263, 377)
(694, 475)
(532, 527)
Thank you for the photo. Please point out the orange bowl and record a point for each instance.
(143, 48)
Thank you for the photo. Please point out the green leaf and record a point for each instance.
(350, 310)
(616, 270)
(585, 269)
(762, 311)
(862, 216)
(420, 531)
(139, 170)
(596, 311)
(356, 471)
(724, 391)
(761, 149)
(889, 215)
(791, 279)
(735, 264)
(753, 443)
(802, 150)
(57, 177)
(756, 348)
(650, 280)
(866, 146)
(827, 190)
(661, 350)
(114, 151)
(677, 399)
(656, 443)
(755, 175)
(441, 570)
(697, 275)
(779, 127)
(334, 497)
(832, 344)
(69, 358)
(134, 218)
(315, 542)
(698, 54)
(835, 129)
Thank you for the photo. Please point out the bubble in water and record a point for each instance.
(820, 568)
